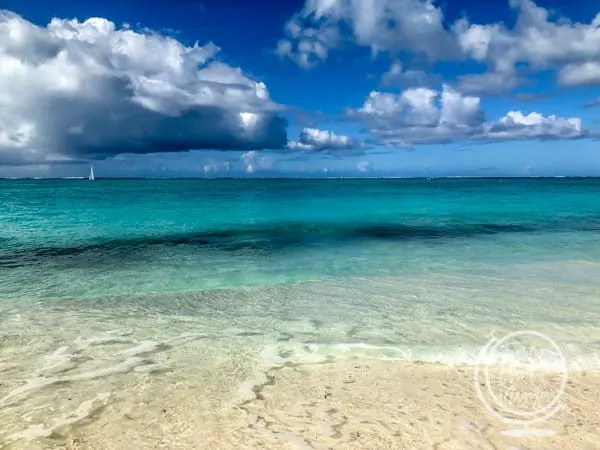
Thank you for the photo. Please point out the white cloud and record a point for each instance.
(413, 107)
(217, 167)
(587, 73)
(297, 145)
(536, 41)
(308, 46)
(539, 40)
(312, 139)
(249, 160)
(380, 25)
(364, 166)
(516, 125)
(425, 116)
(489, 83)
(78, 90)
(400, 76)
(256, 161)
(460, 110)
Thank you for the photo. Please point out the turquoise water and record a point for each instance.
(109, 287)
(464, 255)
(71, 238)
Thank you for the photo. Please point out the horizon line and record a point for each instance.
(314, 178)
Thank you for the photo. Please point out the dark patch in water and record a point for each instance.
(259, 239)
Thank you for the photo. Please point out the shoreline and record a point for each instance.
(314, 365)
(349, 404)
(378, 404)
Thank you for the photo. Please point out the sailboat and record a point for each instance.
(91, 177)
(429, 177)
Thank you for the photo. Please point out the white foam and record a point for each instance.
(122, 367)
(60, 360)
(141, 348)
(40, 382)
(31, 384)
(59, 353)
(33, 410)
(269, 356)
(84, 410)
(121, 332)
(468, 355)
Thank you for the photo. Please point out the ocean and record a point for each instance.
(104, 282)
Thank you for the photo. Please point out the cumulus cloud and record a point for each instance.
(537, 41)
(489, 83)
(460, 110)
(364, 166)
(255, 161)
(587, 73)
(216, 167)
(399, 76)
(312, 139)
(418, 108)
(380, 25)
(425, 116)
(516, 125)
(308, 45)
(77, 90)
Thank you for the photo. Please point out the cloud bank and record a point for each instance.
(426, 116)
(539, 40)
(78, 90)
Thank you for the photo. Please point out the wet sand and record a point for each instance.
(391, 405)
(367, 363)
(352, 404)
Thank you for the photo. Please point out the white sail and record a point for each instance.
(91, 177)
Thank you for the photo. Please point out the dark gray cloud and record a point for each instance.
(87, 90)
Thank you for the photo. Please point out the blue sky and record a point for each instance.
(299, 88)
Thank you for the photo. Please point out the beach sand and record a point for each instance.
(183, 371)
(347, 405)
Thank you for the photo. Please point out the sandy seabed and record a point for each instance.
(352, 404)
(184, 372)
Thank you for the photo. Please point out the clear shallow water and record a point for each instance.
(117, 241)
(102, 283)
(71, 238)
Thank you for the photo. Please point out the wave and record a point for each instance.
(465, 355)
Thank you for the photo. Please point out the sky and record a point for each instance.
(299, 88)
